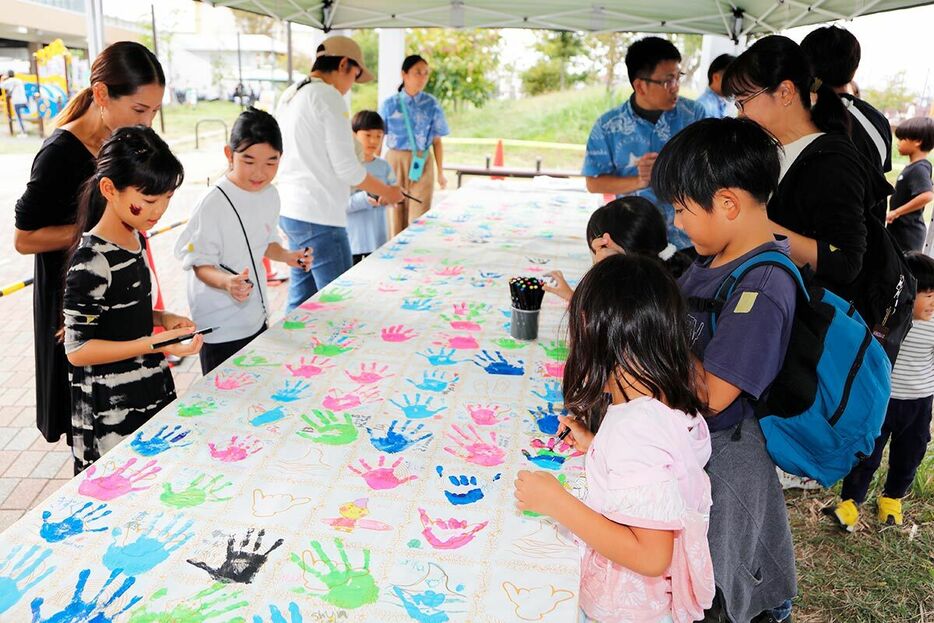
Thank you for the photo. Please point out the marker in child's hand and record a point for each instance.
(181, 338)
(301, 260)
(233, 272)
(564, 433)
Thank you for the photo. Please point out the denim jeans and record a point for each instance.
(783, 611)
(21, 109)
(331, 248)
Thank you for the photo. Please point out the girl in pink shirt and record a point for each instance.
(631, 385)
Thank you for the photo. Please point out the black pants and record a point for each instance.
(213, 355)
(358, 257)
(908, 424)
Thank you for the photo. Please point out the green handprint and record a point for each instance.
(510, 344)
(249, 360)
(421, 251)
(195, 494)
(328, 429)
(424, 293)
(346, 587)
(331, 349)
(196, 609)
(556, 350)
(334, 296)
(451, 262)
(296, 323)
(196, 409)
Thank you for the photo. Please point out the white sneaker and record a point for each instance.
(790, 481)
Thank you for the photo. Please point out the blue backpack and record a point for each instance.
(824, 410)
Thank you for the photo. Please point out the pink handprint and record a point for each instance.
(316, 306)
(476, 450)
(462, 342)
(554, 370)
(486, 415)
(233, 381)
(116, 484)
(381, 477)
(237, 450)
(309, 368)
(454, 533)
(465, 325)
(369, 374)
(397, 333)
(450, 271)
(341, 402)
(387, 287)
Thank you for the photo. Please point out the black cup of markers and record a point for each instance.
(526, 294)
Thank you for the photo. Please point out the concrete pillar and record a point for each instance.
(391, 55)
(94, 13)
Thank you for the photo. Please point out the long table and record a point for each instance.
(355, 463)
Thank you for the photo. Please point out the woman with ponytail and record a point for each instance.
(127, 84)
(826, 187)
(413, 116)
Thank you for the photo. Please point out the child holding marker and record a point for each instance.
(233, 226)
(118, 378)
(643, 519)
(366, 216)
(626, 225)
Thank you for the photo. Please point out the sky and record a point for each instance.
(891, 42)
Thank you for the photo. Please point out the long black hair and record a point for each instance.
(408, 63)
(627, 315)
(770, 61)
(636, 225)
(132, 157)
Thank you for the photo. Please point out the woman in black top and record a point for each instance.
(127, 84)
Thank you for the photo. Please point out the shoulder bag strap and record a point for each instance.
(256, 274)
(408, 126)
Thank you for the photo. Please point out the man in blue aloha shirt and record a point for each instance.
(712, 99)
(625, 141)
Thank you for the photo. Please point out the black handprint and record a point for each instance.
(241, 564)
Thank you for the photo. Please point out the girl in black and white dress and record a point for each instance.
(118, 381)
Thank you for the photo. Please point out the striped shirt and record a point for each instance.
(913, 374)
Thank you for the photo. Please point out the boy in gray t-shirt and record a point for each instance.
(719, 174)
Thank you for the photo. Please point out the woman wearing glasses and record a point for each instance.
(415, 124)
(320, 165)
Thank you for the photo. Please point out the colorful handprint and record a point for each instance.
(551, 454)
(337, 401)
(328, 429)
(448, 533)
(251, 360)
(78, 522)
(487, 414)
(334, 346)
(419, 305)
(210, 603)
(352, 515)
(344, 586)
(236, 449)
(291, 391)
(418, 408)
(393, 440)
(381, 477)
(267, 416)
(457, 342)
(161, 441)
(463, 489)
(196, 493)
(436, 381)
(496, 363)
(17, 577)
(334, 295)
(296, 322)
(474, 449)
(369, 373)
(140, 554)
(241, 562)
(92, 611)
(196, 408)
(307, 369)
(397, 333)
(231, 382)
(547, 419)
(117, 483)
(440, 357)
(556, 350)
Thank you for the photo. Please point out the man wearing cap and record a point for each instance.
(320, 165)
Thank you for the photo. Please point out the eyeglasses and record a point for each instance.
(741, 103)
(668, 83)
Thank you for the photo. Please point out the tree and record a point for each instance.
(609, 49)
(894, 98)
(253, 24)
(559, 50)
(461, 61)
(368, 40)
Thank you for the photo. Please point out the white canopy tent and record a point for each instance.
(711, 17)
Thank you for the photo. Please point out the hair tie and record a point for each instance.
(816, 84)
(666, 253)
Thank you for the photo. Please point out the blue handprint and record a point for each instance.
(291, 391)
(484, 275)
(144, 553)
(466, 489)
(417, 410)
(440, 357)
(161, 441)
(74, 524)
(397, 441)
(80, 611)
(11, 590)
(547, 420)
(276, 616)
(419, 304)
(268, 417)
(552, 392)
(498, 364)
(424, 607)
(435, 381)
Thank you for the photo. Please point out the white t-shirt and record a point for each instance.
(15, 90)
(913, 374)
(790, 152)
(319, 162)
(212, 237)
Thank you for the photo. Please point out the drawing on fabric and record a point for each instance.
(20, 575)
(392, 440)
(135, 554)
(352, 515)
(95, 608)
(241, 562)
(195, 493)
(532, 604)
(343, 586)
(328, 428)
(431, 598)
(78, 522)
(448, 533)
(118, 482)
(267, 505)
(207, 604)
(381, 477)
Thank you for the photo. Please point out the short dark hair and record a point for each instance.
(719, 64)
(922, 269)
(10, 73)
(367, 120)
(917, 129)
(644, 55)
(834, 54)
(255, 127)
(713, 154)
(327, 64)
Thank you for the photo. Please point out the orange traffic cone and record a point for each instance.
(498, 159)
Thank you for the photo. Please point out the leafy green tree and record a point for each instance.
(462, 63)
(894, 98)
(559, 50)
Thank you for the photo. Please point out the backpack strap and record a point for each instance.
(725, 291)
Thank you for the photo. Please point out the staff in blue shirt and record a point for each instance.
(426, 125)
(625, 141)
(712, 99)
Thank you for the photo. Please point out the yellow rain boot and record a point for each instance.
(847, 514)
(890, 510)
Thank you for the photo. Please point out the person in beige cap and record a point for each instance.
(319, 165)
